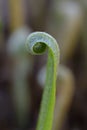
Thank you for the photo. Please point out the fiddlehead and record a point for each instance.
(36, 44)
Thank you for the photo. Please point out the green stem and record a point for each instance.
(36, 44)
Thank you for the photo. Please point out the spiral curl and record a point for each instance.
(37, 44)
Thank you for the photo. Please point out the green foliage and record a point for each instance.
(36, 44)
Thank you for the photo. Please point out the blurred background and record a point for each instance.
(22, 76)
